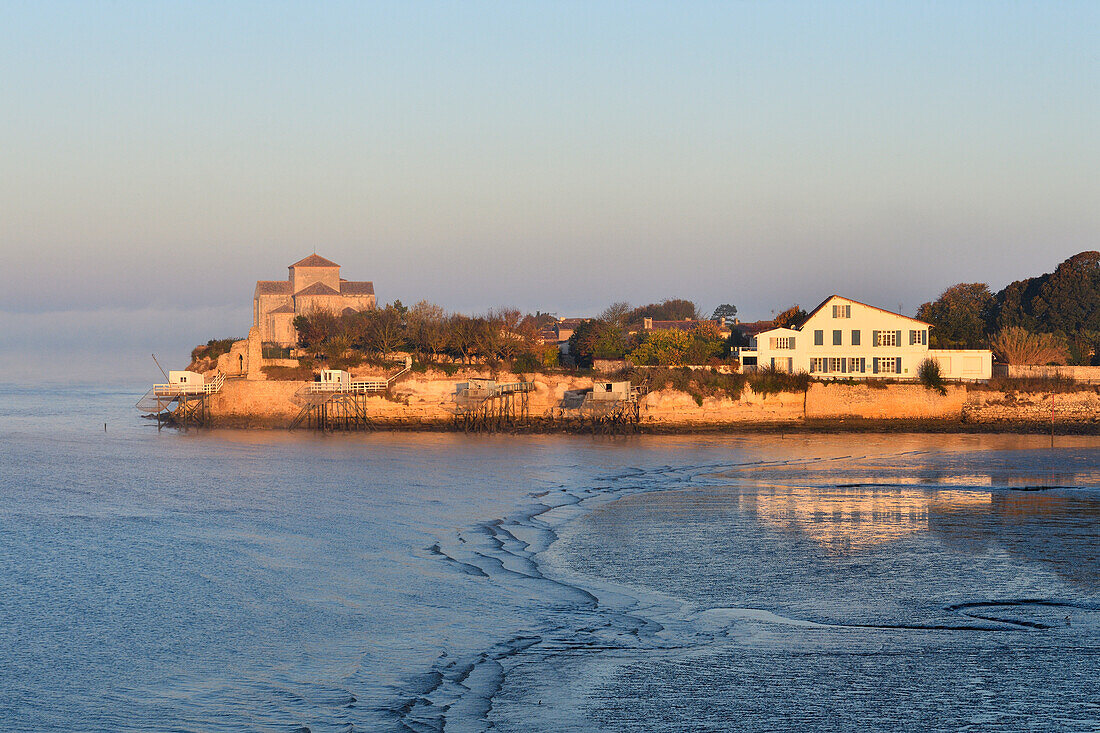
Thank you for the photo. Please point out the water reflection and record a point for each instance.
(851, 519)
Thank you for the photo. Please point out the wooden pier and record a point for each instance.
(483, 406)
(338, 402)
(180, 405)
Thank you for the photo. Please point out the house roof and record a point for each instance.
(349, 287)
(856, 302)
(273, 287)
(753, 327)
(317, 289)
(315, 260)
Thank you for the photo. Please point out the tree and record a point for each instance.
(726, 310)
(462, 336)
(673, 309)
(616, 313)
(596, 339)
(427, 329)
(793, 317)
(1014, 345)
(961, 317)
(385, 330)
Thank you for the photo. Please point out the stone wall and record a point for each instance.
(1082, 406)
(426, 399)
(1083, 374)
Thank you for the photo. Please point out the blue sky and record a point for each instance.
(157, 158)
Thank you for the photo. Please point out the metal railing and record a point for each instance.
(172, 390)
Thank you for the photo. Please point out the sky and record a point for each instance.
(156, 158)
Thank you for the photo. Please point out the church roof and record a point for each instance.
(315, 260)
(317, 289)
(273, 287)
(348, 287)
(284, 308)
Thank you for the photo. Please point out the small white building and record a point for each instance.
(334, 379)
(186, 379)
(845, 339)
(610, 391)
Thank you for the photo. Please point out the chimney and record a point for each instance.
(647, 324)
(721, 321)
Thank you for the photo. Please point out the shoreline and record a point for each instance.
(544, 426)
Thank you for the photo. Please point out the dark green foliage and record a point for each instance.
(961, 317)
(596, 339)
(1066, 302)
(929, 375)
(673, 309)
(726, 310)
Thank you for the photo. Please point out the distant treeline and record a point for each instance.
(509, 336)
(1048, 319)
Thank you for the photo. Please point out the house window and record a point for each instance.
(819, 338)
(855, 366)
(918, 337)
(855, 338)
(889, 365)
(783, 342)
(837, 337)
(816, 366)
(842, 311)
(887, 338)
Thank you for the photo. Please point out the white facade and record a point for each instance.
(846, 339)
(187, 379)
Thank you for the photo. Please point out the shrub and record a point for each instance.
(1016, 345)
(929, 375)
(770, 380)
(213, 349)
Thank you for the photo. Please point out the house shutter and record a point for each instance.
(843, 366)
(792, 342)
(874, 338)
(897, 369)
(862, 365)
(897, 340)
(924, 337)
(874, 363)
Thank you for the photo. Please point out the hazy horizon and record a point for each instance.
(158, 160)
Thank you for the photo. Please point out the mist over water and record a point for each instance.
(412, 582)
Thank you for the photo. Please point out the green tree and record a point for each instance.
(961, 317)
(596, 339)
(726, 310)
(673, 309)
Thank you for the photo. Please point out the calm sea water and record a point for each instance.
(398, 582)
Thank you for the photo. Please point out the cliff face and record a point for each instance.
(426, 400)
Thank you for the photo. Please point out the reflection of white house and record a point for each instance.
(846, 339)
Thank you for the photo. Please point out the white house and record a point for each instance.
(845, 339)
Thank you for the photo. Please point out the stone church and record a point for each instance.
(314, 284)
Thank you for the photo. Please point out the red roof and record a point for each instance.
(273, 287)
(348, 287)
(315, 260)
(317, 289)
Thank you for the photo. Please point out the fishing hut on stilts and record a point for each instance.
(607, 408)
(335, 401)
(182, 401)
(483, 406)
